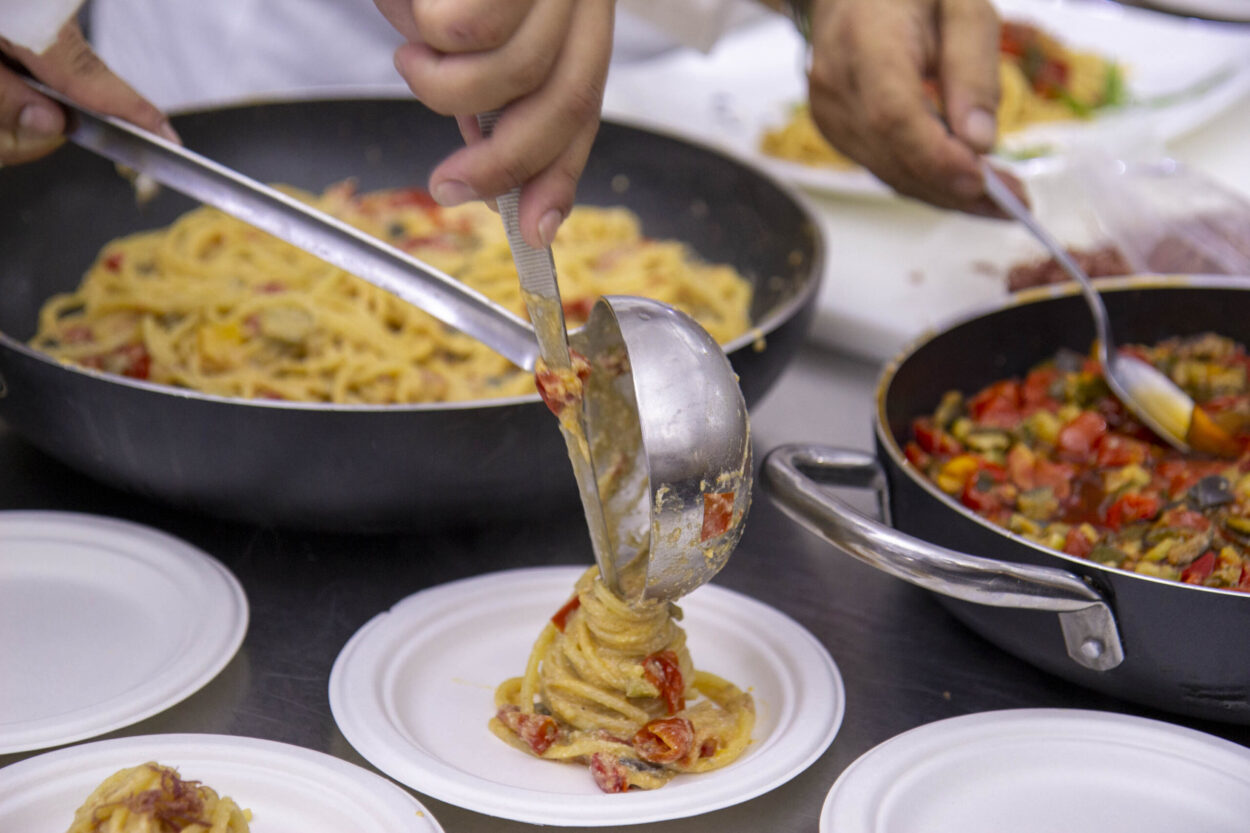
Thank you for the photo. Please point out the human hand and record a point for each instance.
(31, 125)
(875, 66)
(541, 63)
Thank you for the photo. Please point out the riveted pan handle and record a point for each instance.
(793, 476)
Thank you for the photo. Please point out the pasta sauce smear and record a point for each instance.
(611, 685)
(1054, 457)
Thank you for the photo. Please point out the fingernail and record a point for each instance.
(981, 129)
(166, 131)
(549, 225)
(38, 121)
(451, 192)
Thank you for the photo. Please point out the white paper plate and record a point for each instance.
(289, 789)
(1042, 771)
(413, 690)
(103, 623)
(754, 77)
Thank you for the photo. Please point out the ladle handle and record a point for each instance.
(316, 232)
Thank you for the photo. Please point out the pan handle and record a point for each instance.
(793, 476)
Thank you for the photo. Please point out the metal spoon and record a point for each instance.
(1147, 392)
(665, 422)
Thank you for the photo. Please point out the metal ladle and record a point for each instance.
(1147, 392)
(666, 424)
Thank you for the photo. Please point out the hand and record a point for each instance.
(31, 125)
(871, 63)
(541, 63)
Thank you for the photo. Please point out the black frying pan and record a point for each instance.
(355, 467)
(1174, 646)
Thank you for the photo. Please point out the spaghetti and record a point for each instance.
(212, 304)
(610, 684)
(151, 798)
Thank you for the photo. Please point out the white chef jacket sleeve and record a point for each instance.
(697, 24)
(34, 24)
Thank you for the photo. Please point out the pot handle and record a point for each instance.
(793, 475)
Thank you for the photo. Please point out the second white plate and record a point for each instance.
(413, 690)
(1044, 770)
(103, 623)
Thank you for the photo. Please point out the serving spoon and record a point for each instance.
(665, 424)
(1147, 392)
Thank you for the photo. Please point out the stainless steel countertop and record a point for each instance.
(904, 660)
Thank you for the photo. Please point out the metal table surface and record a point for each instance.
(904, 660)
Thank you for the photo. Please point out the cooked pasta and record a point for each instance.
(151, 798)
(611, 685)
(1040, 80)
(212, 304)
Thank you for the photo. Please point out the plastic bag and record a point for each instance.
(1153, 216)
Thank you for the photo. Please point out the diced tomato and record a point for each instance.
(933, 439)
(538, 731)
(578, 309)
(608, 772)
(1186, 519)
(417, 197)
(662, 671)
(1243, 581)
(998, 405)
(1077, 544)
(1118, 450)
(1132, 507)
(1079, 437)
(917, 456)
(665, 740)
(1199, 568)
(559, 390)
(561, 617)
(1035, 392)
(113, 262)
(1178, 476)
(718, 512)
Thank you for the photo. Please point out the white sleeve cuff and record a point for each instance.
(34, 24)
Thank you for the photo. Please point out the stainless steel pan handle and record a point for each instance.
(793, 476)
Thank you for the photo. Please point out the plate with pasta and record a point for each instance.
(438, 693)
(110, 622)
(214, 783)
(1070, 72)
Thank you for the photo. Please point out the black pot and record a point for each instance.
(1173, 646)
(356, 468)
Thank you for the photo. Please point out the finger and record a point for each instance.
(969, 36)
(72, 67)
(469, 25)
(556, 123)
(547, 199)
(30, 125)
(475, 82)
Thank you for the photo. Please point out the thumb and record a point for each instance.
(969, 33)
